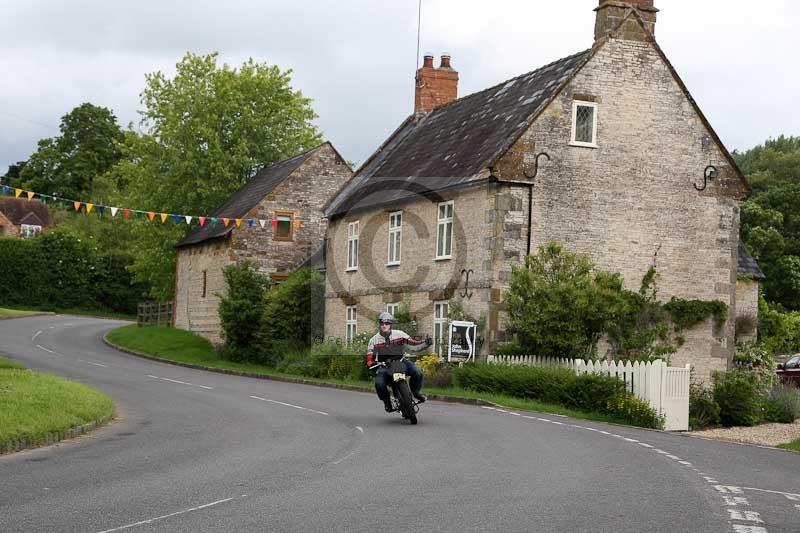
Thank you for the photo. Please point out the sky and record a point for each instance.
(356, 58)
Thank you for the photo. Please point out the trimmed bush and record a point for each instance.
(588, 392)
(736, 393)
(241, 311)
(337, 361)
(703, 409)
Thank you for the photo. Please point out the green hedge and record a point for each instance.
(587, 392)
(61, 271)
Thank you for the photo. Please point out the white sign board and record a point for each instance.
(462, 341)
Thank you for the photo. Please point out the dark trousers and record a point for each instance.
(384, 378)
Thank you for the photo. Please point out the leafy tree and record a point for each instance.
(208, 129)
(240, 311)
(12, 175)
(69, 163)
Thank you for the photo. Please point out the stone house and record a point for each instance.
(281, 225)
(20, 217)
(604, 151)
(748, 284)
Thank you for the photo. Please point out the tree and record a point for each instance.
(68, 164)
(241, 311)
(208, 129)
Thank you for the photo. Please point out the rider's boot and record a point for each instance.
(387, 404)
(419, 397)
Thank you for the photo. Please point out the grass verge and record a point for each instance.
(16, 313)
(184, 347)
(38, 409)
(794, 445)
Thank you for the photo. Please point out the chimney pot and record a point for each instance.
(445, 61)
(435, 86)
(427, 61)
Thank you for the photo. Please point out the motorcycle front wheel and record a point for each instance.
(406, 402)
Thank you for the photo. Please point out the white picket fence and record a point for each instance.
(665, 388)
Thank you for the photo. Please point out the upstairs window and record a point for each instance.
(584, 124)
(395, 237)
(352, 246)
(444, 231)
(28, 230)
(283, 228)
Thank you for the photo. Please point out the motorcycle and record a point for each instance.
(400, 391)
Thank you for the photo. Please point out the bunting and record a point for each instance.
(87, 207)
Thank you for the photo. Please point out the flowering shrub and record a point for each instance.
(783, 404)
(636, 412)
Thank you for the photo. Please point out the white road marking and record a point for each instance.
(747, 516)
(789, 495)
(92, 363)
(728, 489)
(360, 429)
(673, 457)
(180, 382)
(644, 444)
(290, 405)
(33, 339)
(36, 335)
(735, 500)
(151, 520)
(631, 440)
(685, 463)
(738, 528)
(710, 479)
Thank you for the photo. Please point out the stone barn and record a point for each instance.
(604, 151)
(289, 196)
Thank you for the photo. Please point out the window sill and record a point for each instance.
(443, 258)
(389, 265)
(583, 145)
(351, 269)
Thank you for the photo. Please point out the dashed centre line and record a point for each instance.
(323, 413)
(181, 382)
(151, 520)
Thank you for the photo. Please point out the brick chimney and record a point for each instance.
(610, 14)
(435, 86)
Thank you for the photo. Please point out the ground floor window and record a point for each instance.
(393, 309)
(441, 311)
(351, 324)
(28, 230)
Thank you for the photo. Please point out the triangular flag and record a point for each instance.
(238, 222)
(43, 198)
(17, 192)
(114, 211)
(176, 219)
(64, 203)
(151, 215)
(297, 223)
(101, 209)
(249, 222)
(202, 221)
(126, 213)
(262, 222)
(214, 221)
(188, 219)
(225, 222)
(163, 217)
(30, 195)
(274, 222)
(89, 208)
(139, 214)
(6, 188)
(77, 206)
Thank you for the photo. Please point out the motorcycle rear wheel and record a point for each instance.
(406, 402)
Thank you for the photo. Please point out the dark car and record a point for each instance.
(789, 372)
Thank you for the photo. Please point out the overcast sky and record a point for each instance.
(356, 58)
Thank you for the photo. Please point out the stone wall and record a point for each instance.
(194, 311)
(746, 309)
(630, 203)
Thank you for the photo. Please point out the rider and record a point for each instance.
(389, 342)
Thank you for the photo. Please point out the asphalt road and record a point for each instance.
(197, 451)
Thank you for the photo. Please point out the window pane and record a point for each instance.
(448, 249)
(584, 124)
(440, 241)
(284, 228)
(450, 210)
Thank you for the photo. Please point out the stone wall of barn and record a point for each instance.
(631, 202)
(7, 228)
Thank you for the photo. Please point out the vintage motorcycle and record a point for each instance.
(399, 389)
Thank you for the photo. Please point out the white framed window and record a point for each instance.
(584, 124)
(395, 237)
(352, 246)
(444, 231)
(393, 309)
(441, 312)
(28, 230)
(351, 324)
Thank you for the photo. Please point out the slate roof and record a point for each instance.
(24, 211)
(247, 197)
(748, 267)
(453, 144)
